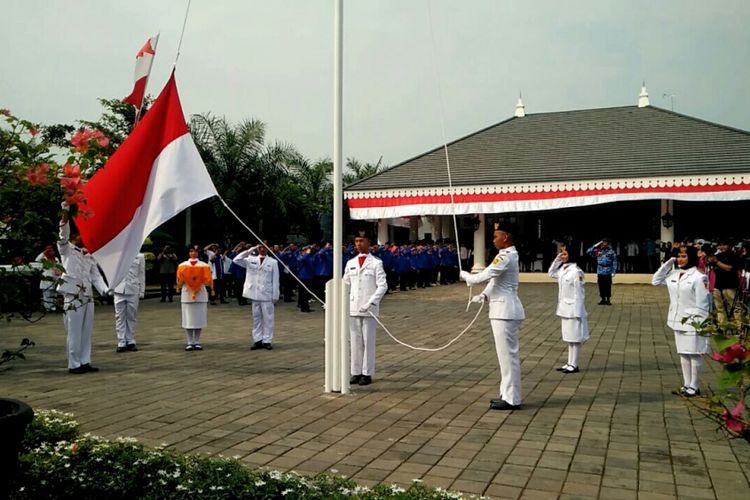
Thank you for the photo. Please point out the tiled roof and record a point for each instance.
(609, 143)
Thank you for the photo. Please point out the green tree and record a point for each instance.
(252, 177)
(356, 170)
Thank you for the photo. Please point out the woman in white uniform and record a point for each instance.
(571, 307)
(688, 298)
(193, 276)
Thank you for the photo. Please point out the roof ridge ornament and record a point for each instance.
(520, 108)
(643, 97)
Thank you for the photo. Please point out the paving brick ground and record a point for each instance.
(612, 431)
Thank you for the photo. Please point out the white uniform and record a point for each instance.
(506, 314)
(127, 295)
(262, 288)
(47, 283)
(367, 287)
(81, 272)
(571, 301)
(688, 297)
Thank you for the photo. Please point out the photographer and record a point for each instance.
(726, 269)
(167, 268)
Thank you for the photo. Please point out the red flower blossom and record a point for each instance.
(74, 448)
(5, 112)
(70, 184)
(732, 418)
(732, 353)
(38, 176)
(71, 170)
(74, 198)
(33, 131)
(81, 140)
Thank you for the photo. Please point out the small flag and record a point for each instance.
(155, 174)
(143, 61)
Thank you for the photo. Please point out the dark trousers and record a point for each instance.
(287, 284)
(167, 286)
(605, 285)
(303, 296)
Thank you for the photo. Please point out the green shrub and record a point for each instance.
(58, 463)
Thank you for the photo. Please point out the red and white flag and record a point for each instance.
(155, 174)
(143, 61)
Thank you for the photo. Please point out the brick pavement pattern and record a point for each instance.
(613, 431)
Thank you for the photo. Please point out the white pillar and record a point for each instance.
(414, 227)
(479, 246)
(437, 227)
(667, 233)
(382, 231)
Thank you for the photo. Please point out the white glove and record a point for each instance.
(64, 205)
(142, 295)
(464, 275)
(479, 299)
(110, 293)
(365, 308)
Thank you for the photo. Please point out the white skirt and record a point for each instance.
(575, 329)
(690, 343)
(194, 314)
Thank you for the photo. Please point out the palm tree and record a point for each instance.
(251, 177)
(356, 170)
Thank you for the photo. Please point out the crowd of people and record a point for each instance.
(699, 276)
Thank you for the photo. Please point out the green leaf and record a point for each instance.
(731, 376)
(722, 342)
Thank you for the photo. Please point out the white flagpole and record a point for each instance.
(338, 226)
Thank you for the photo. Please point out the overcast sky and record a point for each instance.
(273, 59)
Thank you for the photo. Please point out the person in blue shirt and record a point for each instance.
(238, 274)
(323, 268)
(606, 267)
(289, 257)
(306, 274)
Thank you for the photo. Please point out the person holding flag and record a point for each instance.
(81, 272)
(193, 276)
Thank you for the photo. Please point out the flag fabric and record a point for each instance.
(143, 60)
(155, 174)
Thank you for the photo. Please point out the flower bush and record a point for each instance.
(32, 184)
(728, 405)
(57, 462)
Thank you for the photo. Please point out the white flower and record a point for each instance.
(335, 471)
(286, 492)
(260, 482)
(181, 487)
(397, 489)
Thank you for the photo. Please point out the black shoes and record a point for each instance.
(503, 405)
(360, 380)
(261, 345)
(687, 392)
(602, 302)
(607, 302)
(566, 368)
(197, 347)
(85, 368)
(131, 347)
(121, 349)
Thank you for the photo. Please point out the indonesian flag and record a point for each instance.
(143, 61)
(155, 174)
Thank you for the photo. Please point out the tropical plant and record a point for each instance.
(356, 170)
(728, 405)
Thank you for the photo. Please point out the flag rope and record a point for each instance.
(322, 303)
(182, 34)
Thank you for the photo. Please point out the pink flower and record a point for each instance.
(732, 353)
(71, 170)
(33, 131)
(70, 184)
(38, 176)
(732, 418)
(81, 140)
(74, 448)
(5, 112)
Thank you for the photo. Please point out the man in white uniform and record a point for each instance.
(367, 280)
(262, 288)
(80, 273)
(506, 314)
(127, 295)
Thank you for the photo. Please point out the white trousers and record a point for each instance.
(79, 329)
(126, 310)
(263, 321)
(362, 345)
(49, 298)
(506, 344)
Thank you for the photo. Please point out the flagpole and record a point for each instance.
(182, 34)
(340, 329)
